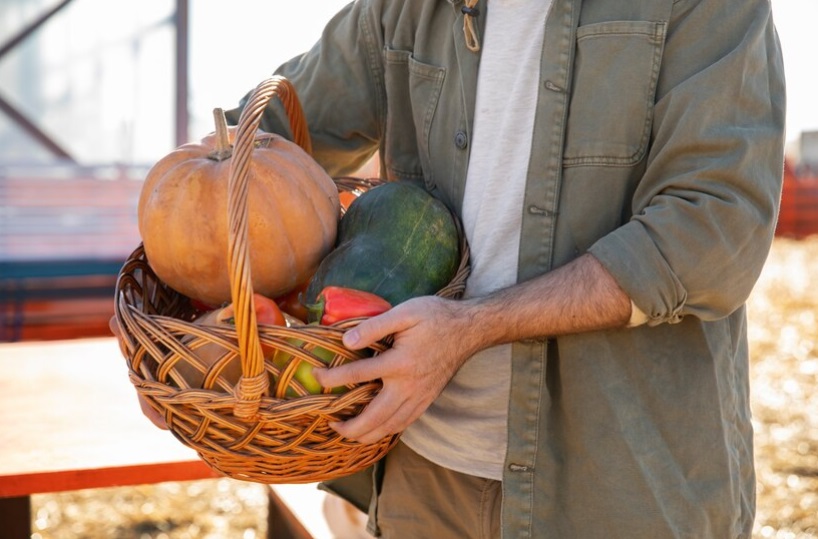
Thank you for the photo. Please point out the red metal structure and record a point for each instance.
(798, 217)
(65, 228)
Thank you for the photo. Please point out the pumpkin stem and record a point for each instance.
(223, 148)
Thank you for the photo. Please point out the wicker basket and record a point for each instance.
(247, 430)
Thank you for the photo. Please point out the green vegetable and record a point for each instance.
(395, 240)
(303, 371)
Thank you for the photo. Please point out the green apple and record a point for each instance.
(303, 372)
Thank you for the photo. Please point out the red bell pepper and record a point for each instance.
(336, 303)
(267, 312)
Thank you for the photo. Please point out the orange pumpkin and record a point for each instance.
(292, 215)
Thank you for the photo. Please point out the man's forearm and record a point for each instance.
(580, 296)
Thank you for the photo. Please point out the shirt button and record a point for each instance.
(461, 140)
(553, 87)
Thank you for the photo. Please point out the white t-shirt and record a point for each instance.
(465, 428)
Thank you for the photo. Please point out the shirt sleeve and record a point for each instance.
(705, 210)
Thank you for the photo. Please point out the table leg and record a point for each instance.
(15, 514)
(281, 522)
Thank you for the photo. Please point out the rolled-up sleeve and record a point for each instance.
(704, 213)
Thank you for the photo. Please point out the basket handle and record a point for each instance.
(253, 383)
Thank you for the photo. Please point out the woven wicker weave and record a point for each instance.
(247, 430)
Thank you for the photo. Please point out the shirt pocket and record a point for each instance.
(412, 94)
(616, 69)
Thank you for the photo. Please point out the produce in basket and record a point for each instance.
(210, 359)
(247, 431)
(335, 304)
(292, 215)
(292, 303)
(346, 198)
(302, 372)
(397, 241)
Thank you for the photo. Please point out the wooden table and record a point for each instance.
(69, 420)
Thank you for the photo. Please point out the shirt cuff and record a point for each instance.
(637, 316)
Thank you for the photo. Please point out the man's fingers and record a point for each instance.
(155, 417)
(113, 325)
(383, 416)
(378, 327)
(355, 372)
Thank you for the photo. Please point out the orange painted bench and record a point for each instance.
(69, 420)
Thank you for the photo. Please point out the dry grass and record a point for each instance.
(784, 352)
(209, 509)
(784, 349)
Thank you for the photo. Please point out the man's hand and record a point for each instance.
(155, 417)
(432, 339)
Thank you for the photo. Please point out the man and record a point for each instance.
(617, 166)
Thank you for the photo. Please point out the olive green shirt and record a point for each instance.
(658, 148)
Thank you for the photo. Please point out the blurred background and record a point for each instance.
(93, 92)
